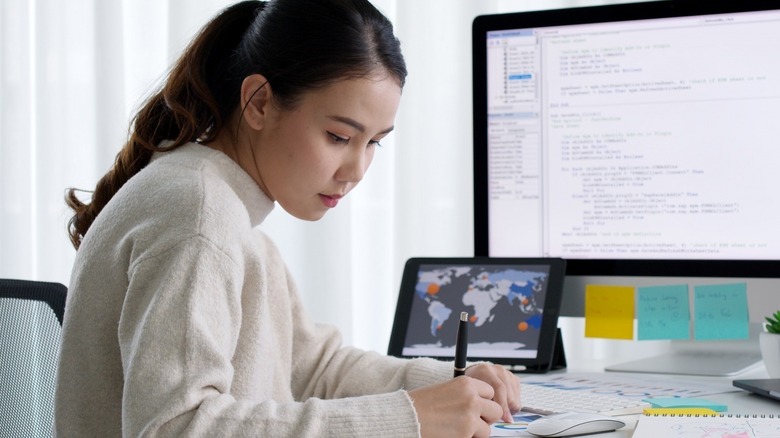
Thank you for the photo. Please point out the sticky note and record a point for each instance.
(678, 411)
(662, 312)
(720, 311)
(684, 402)
(609, 312)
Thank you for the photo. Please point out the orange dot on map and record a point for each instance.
(525, 301)
(523, 326)
(438, 327)
(433, 288)
(473, 318)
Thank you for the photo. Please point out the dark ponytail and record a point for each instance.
(184, 110)
(298, 45)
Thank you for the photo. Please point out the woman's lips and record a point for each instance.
(330, 201)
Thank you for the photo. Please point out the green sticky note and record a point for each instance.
(683, 402)
(662, 312)
(720, 312)
(609, 312)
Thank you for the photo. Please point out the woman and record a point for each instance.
(181, 317)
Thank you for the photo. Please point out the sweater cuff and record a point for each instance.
(381, 415)
(425, 371)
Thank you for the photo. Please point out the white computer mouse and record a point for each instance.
(573, 423)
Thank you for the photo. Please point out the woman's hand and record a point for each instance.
(461, 407)
(506, 386)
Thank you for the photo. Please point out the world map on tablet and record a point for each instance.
(504, 303)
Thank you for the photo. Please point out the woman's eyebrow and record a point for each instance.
(355, 124)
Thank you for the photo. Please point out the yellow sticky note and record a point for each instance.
(679, 411)
(609, 312)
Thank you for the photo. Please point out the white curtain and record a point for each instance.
(72, 74)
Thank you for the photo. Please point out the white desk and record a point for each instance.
(738, 402)
(589, 355)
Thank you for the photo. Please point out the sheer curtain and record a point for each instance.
(73, 73)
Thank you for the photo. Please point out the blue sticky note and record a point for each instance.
(683, 402)
(720, 311)
(662, 312)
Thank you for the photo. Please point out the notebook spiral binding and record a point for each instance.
(769, 416)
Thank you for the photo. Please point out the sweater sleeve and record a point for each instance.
(178, 333)
(324, 368)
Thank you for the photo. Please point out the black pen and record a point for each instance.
(461, 345)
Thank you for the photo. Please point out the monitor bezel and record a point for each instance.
(584, 15)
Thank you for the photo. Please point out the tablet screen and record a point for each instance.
(512, 307)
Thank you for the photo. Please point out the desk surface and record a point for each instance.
(588, 355)
(738, 401)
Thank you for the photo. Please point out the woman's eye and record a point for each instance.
(374, 143)
(337, 139)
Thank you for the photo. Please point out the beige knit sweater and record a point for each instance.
(182, 320)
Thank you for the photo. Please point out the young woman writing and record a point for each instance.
(182, 319)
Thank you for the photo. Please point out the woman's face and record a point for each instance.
(313, 155)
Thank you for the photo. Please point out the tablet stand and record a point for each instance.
(557, 359)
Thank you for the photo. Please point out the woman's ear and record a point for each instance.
(255, 100)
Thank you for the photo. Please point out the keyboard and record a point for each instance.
(544, 400)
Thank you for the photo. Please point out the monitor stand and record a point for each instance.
(702, 358)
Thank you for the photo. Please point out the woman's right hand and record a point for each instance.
(461, 407)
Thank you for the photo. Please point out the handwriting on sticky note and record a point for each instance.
(720, 311)
(662, 312)
(609, 312)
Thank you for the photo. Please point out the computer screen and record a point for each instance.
(512, 305)
(631, 139)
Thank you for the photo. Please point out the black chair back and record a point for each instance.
(30, 326)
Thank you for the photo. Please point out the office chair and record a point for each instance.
(30, 325)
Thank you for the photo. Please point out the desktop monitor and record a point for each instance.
(638, 139)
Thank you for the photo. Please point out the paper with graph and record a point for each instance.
(708, 426)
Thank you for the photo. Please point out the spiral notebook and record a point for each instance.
(708, 425)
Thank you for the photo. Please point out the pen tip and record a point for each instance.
(464, 316)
